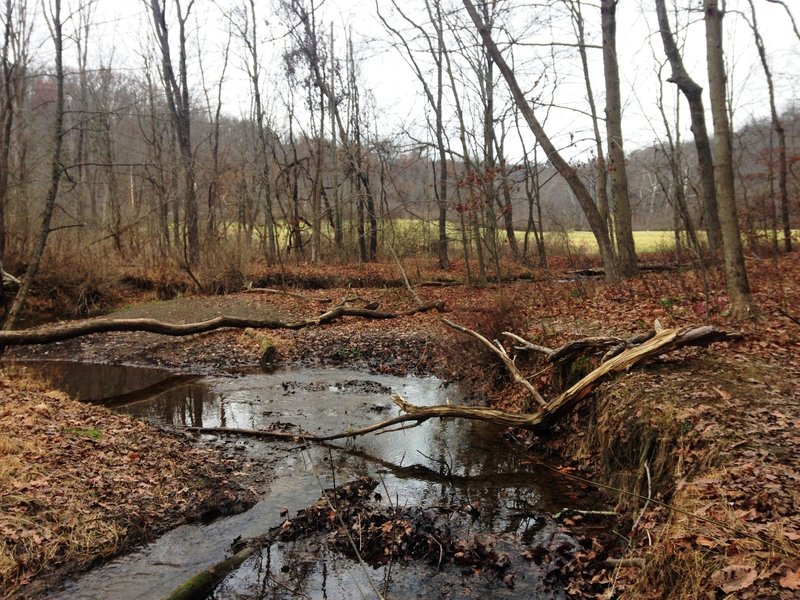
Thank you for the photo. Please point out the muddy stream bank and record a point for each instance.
(489, 488)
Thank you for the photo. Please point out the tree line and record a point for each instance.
(151, 165)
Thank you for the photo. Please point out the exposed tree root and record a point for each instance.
(60, 333)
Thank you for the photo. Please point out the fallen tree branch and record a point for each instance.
(563, 352)
(499, 351)
(405, 277)
(593, 344)
(539, 422)
(201, 584)
(60, 333)
(526, 345)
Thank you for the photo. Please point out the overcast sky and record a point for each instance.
(121, 28)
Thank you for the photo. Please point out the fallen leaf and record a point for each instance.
(723, 394)
(734, 578)
(791, 580)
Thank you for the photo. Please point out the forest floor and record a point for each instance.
(701, 448)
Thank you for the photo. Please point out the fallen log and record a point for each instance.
(58, 333)
(539, 422)
(201, 584)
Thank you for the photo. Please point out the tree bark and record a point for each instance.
(735, 271)
(620, 199)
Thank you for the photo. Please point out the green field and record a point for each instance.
(409, 236)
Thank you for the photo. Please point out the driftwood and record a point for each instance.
(69, 331)
(541, 421)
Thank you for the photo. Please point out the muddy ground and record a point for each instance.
(701, 449)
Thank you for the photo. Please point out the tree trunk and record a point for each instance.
(616, 152)
(177, 91)
(600, 163)
(736, 273)
(694, 97)
(6, 119)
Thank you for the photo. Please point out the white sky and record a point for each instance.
(121, 30)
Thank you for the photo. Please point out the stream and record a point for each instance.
(440, 463)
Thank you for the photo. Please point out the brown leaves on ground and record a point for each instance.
(79, 483)
(724, 421)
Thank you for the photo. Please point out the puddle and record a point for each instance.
(104, 384)
(437, 464)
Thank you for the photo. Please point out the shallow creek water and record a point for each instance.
(439, 463)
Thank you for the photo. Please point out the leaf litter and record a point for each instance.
(725, 419)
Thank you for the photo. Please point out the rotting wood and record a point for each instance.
(497, 349)
(201, 584)
(616, 345)
(60, 333)
(539, 422)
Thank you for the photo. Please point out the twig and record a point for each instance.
(405, 277)
(499, 351)
(793, 319)
(620, 563)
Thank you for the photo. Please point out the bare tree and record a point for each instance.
(246, 26)
(780, 132)
(179, 103)
(568, 172)
(616, 152)
(214, 112)
(736, 273)
(601, 193)
(56, 170)
(694, 96)
(12, 69)
(435, 97)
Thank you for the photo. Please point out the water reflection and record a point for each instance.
(440, 463)
(98, 383)
(190, 405)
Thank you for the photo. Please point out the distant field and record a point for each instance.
(409, 236)
(646, 241)
(581, 241)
